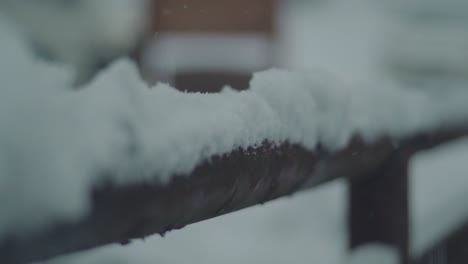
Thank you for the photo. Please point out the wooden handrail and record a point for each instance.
(221, 185)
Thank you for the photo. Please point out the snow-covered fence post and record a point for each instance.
(204, 45)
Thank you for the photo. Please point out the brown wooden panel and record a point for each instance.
(214, 15)
(211, 82)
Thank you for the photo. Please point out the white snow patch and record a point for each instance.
(439, 185)
(307, 228)
(428, 47)
(170, 53)
(82, 33)
(343, 37)
(373, 254)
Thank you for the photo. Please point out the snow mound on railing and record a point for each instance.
(55, 141)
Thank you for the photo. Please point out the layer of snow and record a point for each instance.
(309, 227)
(429, 44)
(80, 32)
(53, 139)
(373, 254)
(337, 36)
(177, 52)
(439, 188)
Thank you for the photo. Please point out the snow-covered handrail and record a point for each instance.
(217, 186)
(117, 160)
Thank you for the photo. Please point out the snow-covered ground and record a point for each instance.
(439, 186)
(307, 228)
(337, 36)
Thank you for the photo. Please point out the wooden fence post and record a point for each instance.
(378, 208)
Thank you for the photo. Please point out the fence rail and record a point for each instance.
(219, 186)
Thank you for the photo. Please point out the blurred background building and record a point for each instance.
(205, 44)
